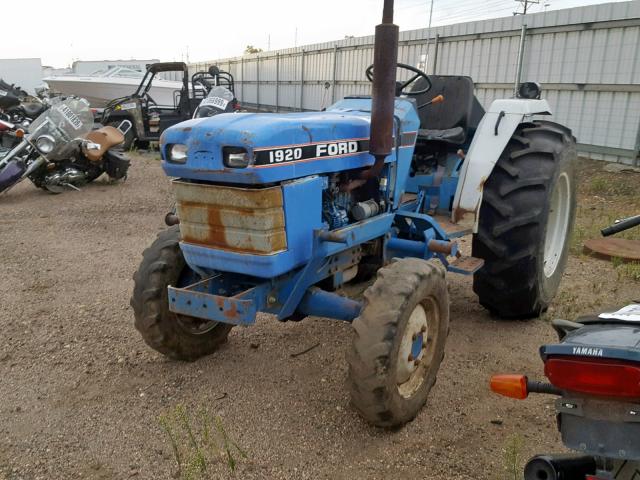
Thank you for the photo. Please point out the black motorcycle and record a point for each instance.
(594, 371)
(10, 97)
(17, 110)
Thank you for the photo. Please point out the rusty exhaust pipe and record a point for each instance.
(383, 91)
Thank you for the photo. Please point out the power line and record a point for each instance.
(462, 9)
(487, 10)
(446, 11)
(473, 14)
(424, 4)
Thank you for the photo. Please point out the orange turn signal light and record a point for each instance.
(437, 99)
(513, 386)
(19, 133)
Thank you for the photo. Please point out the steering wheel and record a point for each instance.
(400, 89)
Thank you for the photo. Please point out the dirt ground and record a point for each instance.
(81, 395)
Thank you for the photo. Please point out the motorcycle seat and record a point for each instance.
(107, 137)
(612, 315)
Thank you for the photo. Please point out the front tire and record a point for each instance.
(399, 342)
(526, 220)
(176, 336)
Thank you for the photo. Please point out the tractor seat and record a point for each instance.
(451, 120)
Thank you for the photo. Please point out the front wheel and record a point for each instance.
(399, 342)
(526, 220)
(177, 336)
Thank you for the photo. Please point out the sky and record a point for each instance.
(199, 30)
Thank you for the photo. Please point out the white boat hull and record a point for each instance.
(99, 92)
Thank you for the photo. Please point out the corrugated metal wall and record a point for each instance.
(587, 59)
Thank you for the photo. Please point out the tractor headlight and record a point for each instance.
(45, 144)
(177, 153)
(236, 157)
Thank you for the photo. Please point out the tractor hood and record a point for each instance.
(280, 146)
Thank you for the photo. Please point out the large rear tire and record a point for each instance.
(399, 342)
(526, 220)
(176, 336)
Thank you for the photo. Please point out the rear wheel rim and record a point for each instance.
(557, 225)
(195, 326)
(417, 347)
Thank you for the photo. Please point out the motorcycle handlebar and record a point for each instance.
(621, 225)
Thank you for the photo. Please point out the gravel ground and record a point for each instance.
(81, 394)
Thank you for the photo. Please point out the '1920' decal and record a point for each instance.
(285, 155)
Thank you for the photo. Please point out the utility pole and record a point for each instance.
(426, 58)
(525, 6)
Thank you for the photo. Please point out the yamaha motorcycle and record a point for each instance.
(594, 371)
(61, 151)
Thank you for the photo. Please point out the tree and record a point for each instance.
(252, 49)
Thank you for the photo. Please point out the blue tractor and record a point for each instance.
(276, 212)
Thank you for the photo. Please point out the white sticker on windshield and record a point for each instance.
(70, 117)
(630, 313)
(219, 102)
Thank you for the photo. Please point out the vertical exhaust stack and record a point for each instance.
(385, 57)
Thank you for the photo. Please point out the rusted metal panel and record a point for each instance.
(609, 248)
(231, 218)
(452, 229)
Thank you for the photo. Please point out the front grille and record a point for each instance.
(245, 220)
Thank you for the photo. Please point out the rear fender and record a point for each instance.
(491, 138)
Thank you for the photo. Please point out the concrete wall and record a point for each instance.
(587, 59)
